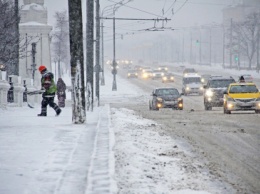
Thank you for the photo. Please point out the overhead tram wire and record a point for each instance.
(140, 10)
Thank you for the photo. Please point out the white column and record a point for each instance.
(4, 87)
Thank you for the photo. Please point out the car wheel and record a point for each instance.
(226, 111)
(257, 111)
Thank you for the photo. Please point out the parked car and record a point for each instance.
(241, 97)
(214, 91)
(191, 84)
(132, 74)
(168, 77)
(166, 98)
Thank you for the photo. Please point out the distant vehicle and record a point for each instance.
(241, 97)
(163, 68)
(132, 74)
(247, 78)
(204, 78)
(166, 98)
(213, 91)
(191, 84)
(144, 69)
(157, 74)
(147, 74)
(168, 77)
(186, 71)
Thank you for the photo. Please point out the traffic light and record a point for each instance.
(236, 58)
(197, 42)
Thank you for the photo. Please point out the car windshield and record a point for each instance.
(131, 71)
(165, 92)
(189, 71)
(220, 83)
(189, 80)
(243, 89)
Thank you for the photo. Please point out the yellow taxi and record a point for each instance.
(241, 97)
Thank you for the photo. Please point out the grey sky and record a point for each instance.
(183, 13)
(193, 12)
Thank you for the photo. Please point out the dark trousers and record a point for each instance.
(48, 101)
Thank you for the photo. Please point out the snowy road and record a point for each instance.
(228, 145)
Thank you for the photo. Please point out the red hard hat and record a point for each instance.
(41, 68)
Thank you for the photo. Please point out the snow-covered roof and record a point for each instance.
(32, 24)
(33, 6)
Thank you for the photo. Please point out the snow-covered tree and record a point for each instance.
(77, 62)
(246, 37)
(9, 35)
(60, 41)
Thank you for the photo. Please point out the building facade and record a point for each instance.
(35, 36)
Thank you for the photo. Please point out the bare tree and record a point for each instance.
(60, 44)
(245, 38)
(12, 45)
(77, 62)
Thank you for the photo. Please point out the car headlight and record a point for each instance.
(128, 74)
(153, 74)
(209, 93)
(166, 68)
(201, 88)
(187, 88)
(172, 78)
(202, 80)
(159, 99)
(164, 78)
(136, 74)
(162, 74)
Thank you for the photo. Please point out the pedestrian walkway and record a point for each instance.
(42, 155)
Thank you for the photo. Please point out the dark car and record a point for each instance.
(166, 98)
(163, 68)
(168, 77)
(214, 91)
(186, 71)
(204, 78)
(132, 74)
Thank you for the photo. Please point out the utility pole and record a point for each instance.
(210, 46)
(200, 47)
(190, 47)
(223, 46)
(97, 67)
(89, 54)
(114, 64)
(231, 42)
(33, 65)
(183, 47)
(257, 51)
(103, 58)
(114, 70)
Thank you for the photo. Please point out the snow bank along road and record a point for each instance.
(227, 144)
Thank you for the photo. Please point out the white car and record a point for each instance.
(191, 84)
(247, 77)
